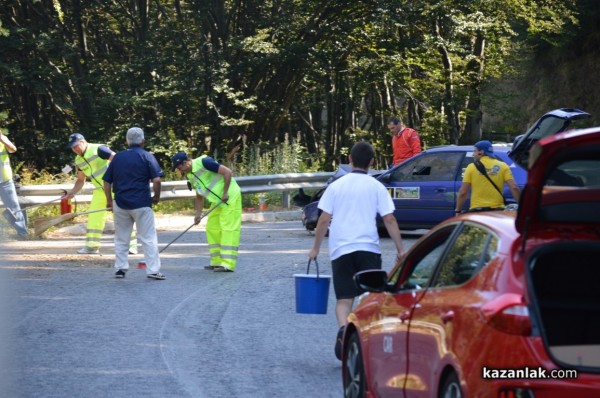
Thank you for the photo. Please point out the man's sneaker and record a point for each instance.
(222, 269)
(133, 250)
(120, 273)
(158, 276)
(338, 343)
(88, 250)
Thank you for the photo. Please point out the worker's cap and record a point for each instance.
(74, 139)
(486, 147)
(178, 159)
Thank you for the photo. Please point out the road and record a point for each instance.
(71, 329)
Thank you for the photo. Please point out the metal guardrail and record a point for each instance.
(171, 190)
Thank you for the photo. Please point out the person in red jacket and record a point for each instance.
(406, 142)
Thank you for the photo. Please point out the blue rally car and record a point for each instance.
(425, 187)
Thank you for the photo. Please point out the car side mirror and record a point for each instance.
(385, 178)
(374, 281)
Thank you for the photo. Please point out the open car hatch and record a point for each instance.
(551, 123)
(563, 184)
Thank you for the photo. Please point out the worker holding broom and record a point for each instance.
(215, 182)
(92, 161)
(8, 192)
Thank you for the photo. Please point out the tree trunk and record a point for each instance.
(475, 67)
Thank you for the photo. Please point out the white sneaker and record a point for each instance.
(133, 250)
(88, 250)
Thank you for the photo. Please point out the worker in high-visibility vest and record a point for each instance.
(8, 192)
(215, 182)
(91, 162)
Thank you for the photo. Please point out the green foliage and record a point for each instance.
(230, 78)
(263, 158)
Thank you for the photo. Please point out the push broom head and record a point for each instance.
(41, 225)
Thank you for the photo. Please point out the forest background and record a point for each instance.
(286, 85)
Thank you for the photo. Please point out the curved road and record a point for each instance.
(72, 329)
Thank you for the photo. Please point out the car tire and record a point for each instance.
(451, 387)
(354, 371)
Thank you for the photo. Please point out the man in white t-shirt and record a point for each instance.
(350, 204)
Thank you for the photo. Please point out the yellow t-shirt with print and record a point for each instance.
(483, 194)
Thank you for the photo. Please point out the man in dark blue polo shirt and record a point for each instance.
(128, 176)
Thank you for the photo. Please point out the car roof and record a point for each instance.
(501, 223)
(501, 147)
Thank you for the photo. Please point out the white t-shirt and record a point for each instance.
(353, 202)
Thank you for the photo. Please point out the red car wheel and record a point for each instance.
(354, 371)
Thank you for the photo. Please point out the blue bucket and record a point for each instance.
(312, 292)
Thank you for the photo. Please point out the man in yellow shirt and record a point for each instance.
(483, 195)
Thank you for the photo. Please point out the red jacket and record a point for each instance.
(406, 144)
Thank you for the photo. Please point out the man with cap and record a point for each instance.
(484, 196)
(215, 182)
(128, 177)
(8, 192)
(91, 162)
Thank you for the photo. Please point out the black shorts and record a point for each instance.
(344, 268)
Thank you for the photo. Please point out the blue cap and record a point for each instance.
(74, 139)
(178, 159)
(486, 147)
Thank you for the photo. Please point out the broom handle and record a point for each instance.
(90, 211)
(188, 228)
(53, 200)
(178, 236)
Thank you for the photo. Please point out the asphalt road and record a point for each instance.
(70, 329)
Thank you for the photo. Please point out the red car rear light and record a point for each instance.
(515, 393)
(509, 314)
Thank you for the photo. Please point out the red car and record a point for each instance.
(497, 304)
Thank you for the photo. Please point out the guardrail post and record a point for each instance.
(286, 199)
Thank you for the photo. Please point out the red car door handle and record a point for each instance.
(447, 316)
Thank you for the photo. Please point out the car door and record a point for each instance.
(444, 321)
(388, 336)
(424, 188)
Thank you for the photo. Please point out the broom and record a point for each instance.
(188, 228)
(11, 216)
(42, 224)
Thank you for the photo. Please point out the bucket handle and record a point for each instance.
(316, 264)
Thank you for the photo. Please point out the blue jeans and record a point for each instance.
(8, 194)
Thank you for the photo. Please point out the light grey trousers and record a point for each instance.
(146, 234)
